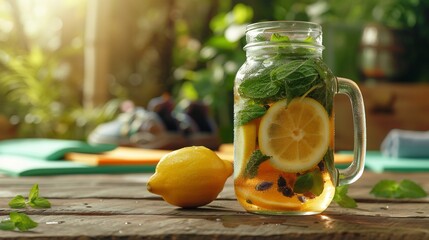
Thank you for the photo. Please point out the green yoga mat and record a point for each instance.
(26, 166)
(41, 156)
(376, 162)
(49, 149)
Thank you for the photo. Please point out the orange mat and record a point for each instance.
(139, 156)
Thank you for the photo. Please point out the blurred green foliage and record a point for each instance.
(38, 87)
(38, 101)
(211, 75)
(36, 72)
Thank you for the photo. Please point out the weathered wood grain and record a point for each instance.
(133, 186)
(119, 207)
(156, 206)
(210, 223)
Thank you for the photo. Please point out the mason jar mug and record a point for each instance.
(284, 122)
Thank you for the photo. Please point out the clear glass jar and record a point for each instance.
(284, 122)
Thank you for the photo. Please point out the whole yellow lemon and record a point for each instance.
(190, 177)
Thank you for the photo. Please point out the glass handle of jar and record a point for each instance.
(355, 170)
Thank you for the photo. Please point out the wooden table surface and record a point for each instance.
(120, 207)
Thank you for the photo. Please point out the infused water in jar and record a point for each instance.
(284, 122)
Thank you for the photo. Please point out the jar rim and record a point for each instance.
(292, 25)
(298, 34)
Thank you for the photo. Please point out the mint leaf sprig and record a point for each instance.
(342, 198)
(255, 160)
(383, 189)
(19, 221)
(310, 182)
(22, 221)
(33, 200)
(392, 189)
(250, 112)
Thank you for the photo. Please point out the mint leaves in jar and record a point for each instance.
(289, 80)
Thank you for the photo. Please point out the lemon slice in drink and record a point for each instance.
(296, 136)
(244, 145)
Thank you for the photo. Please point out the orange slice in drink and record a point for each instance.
(295, 135)
(266, 199)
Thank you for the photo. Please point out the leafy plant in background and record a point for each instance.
(346, 22)
(411, 15)
(211, 78)
(37, 91)
(39, 102)
(203, 67)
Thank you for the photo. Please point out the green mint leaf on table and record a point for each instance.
(18, 220)
(34, 193)
(410, 189)
(385, 188)
(7, 225)
(40, 203)
(250, 112)
(33, 200)
(342, 199)
(392, 189)
(22, 221)
(18, 202)
(255, 160)
(309, 182)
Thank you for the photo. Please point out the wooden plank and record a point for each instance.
(133, 186)
(212, 226)
(156, 206)
(119, 206)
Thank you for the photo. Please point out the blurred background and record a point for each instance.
(65, 66)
